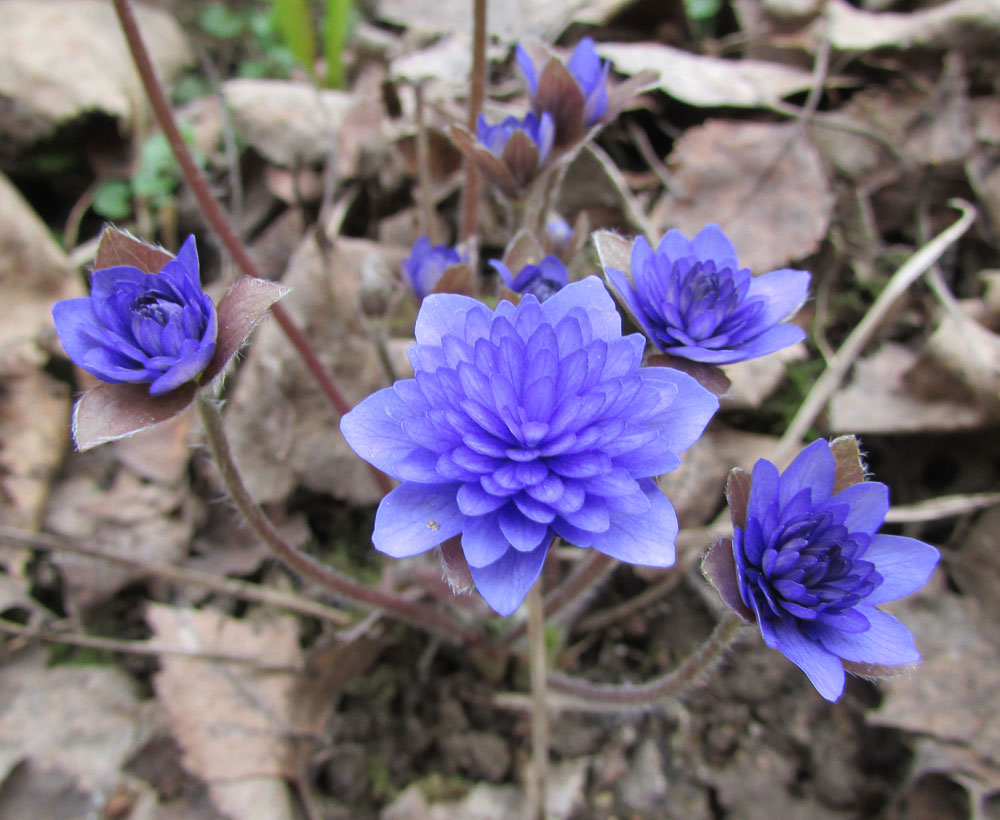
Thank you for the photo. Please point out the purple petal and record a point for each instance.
(506, 582)
(185, 267)
(868, 503)
(905, 564)
(775, 338)
(443, 314)
(646, 539)
(527, 66)
(822, 667)
(523, 534)
(590, 295)
(374, 430)
(75, 325)
(674, 246)
(712, 243)
(483, 542)
(784, 292)
(887, 642)
(474, 500)
(764, 487)
(415, 517)
(813, 468)
(690, 410)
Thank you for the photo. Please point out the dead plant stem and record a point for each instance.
(477, 94)
(538, 668)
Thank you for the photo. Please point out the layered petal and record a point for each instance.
(413, 518)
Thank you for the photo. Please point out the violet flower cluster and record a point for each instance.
(812, 568)
(524, 423)
(155, 328)
(427, 263)
(694, 300)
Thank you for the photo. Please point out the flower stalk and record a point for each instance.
(538, 667)
(343, 586)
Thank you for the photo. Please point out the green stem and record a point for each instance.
(342, 585)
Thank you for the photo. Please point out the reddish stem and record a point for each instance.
(217, 217)
(477, 94)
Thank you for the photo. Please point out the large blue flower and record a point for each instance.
(426, 263)
(812, 567)
(694, 301)
(156, 328)
(522, 424)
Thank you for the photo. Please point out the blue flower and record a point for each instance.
(155, 328)
(522, 424)
(542, 280)
(812, 567)
(426, 263)
(540, 130)
(694, 301)
(586, 68)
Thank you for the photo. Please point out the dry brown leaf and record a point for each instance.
(231, 721)
(971, 353)
(762, 183)
(34, 273)
(954, 693)
(131, 518)
(80, 720)
(753, 381)
(709, 82)
(976, 569)
(959, 23)
(34, 434)
(282, 428)
(41, 88)
(161, 453)
(880, 399)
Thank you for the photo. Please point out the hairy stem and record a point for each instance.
(342, 585)
(538, 667)
(587, 696)
(217, 218)
(477, 94)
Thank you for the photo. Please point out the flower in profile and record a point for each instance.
(541, 280)
(511, 153)
(157, 329)
(576, 93)
(525, 423)
(427, 263)
(694, 301)
(589, 73)
(811, 567)
(150, 334)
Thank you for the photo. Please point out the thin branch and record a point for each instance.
(342, 585)
(837, 369)
(943, 506)
(217, 217)
(137, 647)
(538, 667)
(242, 590)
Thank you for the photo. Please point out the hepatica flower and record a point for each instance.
(512, 153)
(590, 76)
(543, 280)
(151, 328)
(694, 300)
(525, 423)
(811, 567)
(427, 263)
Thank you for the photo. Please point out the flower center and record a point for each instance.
(157, 306)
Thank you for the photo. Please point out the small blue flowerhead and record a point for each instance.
(694, 301)
(811, 567)
(426, 263)
(541, 281)
(155, 328)
(539, 130)
(575, 94)
(524, 423)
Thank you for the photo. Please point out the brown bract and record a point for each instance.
(112, 411)
(513, 171)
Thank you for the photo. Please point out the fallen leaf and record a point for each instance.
(959, 23)
(80, 720)
(231, 721)
(160, 453)
(709, 82)
(880, 399)
(41, 89)
(762, 183)
(971, 353)
(951, 694)
(976, 569)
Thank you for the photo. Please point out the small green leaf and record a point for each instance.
(113, 199)
(219, 21)
(292, 19)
